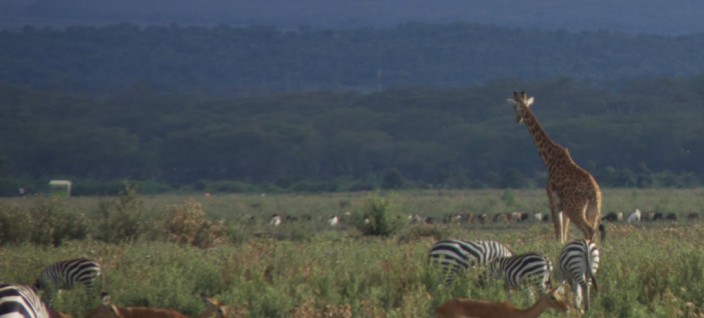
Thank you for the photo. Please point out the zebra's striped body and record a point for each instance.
(531, 269)
(67, 274)
(19, 301)
(453, 255)
(577, 264)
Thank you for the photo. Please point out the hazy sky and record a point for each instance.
(648, 16)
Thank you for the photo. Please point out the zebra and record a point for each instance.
(524, 269)
(21, 301)
(67, 274)
(577, 264)
(453, 255)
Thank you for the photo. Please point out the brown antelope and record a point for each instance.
(56, 314)
(213, 308)
(472, 308)
(108, 310)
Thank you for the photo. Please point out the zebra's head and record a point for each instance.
(38, 285)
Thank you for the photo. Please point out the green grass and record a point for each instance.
(315, 271)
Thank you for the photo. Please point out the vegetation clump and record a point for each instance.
(186, 224)
(379, 218)
(123, 219)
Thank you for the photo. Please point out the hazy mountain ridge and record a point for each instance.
(656, 17)
(90, 60)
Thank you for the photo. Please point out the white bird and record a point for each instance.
(538, 217)
(275, 220)
(334, 221)
(634, 217)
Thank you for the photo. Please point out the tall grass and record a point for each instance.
(307, 269)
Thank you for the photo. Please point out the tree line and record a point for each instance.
(232, 61)
(640, 133)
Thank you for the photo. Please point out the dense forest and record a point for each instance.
(230, 61)
(644, 133)
(264, 109)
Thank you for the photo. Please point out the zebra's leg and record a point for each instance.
(449, 272)
(585, 288)
(507, 289)
(531, 293)
(577, 289)
(51, 293)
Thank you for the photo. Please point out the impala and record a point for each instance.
(472, 308)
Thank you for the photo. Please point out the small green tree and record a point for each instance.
(123, 218)
(379, 218)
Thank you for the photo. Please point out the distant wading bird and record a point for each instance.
(572, 191)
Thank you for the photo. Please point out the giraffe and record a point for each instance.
(572, 191)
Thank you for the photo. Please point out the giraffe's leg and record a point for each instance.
(593, 215)
(554, 202)
(565, 226)
(583, 224)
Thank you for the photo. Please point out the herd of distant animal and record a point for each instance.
(573, 195)
(499, 218)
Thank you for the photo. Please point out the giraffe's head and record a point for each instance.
(521, 104)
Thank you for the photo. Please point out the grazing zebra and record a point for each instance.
(21, 301)
(66, 274)
(452, 255)
(578, 263)
(524, 269)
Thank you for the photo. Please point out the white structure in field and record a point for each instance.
(60, 188)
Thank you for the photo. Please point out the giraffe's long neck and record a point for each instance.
(547, 148)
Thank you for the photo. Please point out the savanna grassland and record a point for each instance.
(165, 251)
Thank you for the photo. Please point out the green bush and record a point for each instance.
(379, 218)
(123, 219)
(46, 221)
(186, 224)
(14, 224)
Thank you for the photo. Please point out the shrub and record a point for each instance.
(186, 224)
(51, 224)
(123, 218)
(45, 222)
(379, 218)
(14, 224)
